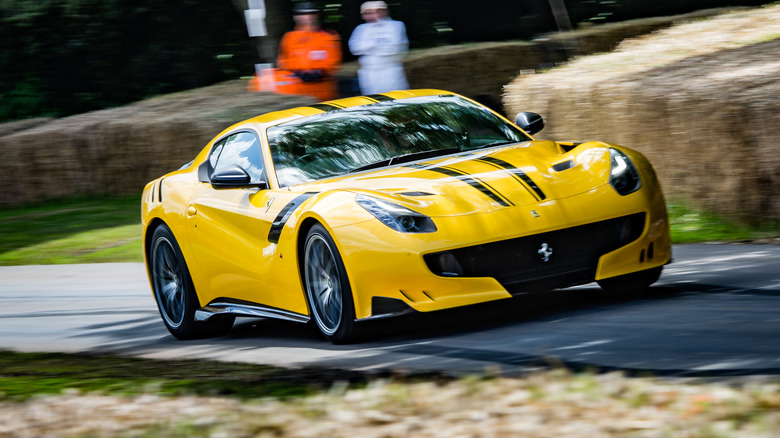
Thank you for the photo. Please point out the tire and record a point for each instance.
(174, 291)
(327, 288)
(631, 283)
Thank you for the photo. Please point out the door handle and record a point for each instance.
(192, 210)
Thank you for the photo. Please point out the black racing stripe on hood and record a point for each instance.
(284, 215)
(326, 106)
(482, 186)
(518, 174)
(379, 97)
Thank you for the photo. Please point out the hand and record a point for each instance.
(309, 75)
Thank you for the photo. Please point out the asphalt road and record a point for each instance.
(715, 312)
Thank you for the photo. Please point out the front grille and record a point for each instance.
(572, 255)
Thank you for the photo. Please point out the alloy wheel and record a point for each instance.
(168, 282)
(323, 284)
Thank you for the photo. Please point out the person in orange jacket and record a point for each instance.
(311, 54)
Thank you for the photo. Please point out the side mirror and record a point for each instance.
(529, 122)
(233, 177)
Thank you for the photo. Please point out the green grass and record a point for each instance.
(80, 230)
(24, 375)
(105, 229)
(689, 225)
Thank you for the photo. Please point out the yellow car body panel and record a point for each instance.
(245, 244)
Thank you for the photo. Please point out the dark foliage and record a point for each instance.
(62, 57)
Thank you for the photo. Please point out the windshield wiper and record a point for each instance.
(498, 143)
(405, 158)
(381, 163)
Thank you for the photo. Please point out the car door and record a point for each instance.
(229, 226)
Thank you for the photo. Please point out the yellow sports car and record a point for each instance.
(374, 206)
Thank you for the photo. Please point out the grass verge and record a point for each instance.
(689, 225)
(78, 230)
(130, 397)
(25, 375)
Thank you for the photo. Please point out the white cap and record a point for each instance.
(372, 5)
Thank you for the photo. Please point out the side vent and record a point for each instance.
(565, 165)
(569, 145)
(159, 191)
(416, 194)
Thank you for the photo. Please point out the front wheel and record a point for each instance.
(327, 287)
(174, 291)
(631, 283)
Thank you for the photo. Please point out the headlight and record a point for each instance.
(624, 177)
(395, 216)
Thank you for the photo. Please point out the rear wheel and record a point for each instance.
(631, 283)
(174, 291)
(327, 288)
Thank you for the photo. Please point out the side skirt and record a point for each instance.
(223, 307)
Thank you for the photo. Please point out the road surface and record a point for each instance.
(715, 312)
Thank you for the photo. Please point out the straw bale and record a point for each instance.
(20, 125)
(482, 69)
(701, 100)
(117, 151)
(475, 69)
(595, 39)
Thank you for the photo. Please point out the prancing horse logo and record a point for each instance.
(545, 251)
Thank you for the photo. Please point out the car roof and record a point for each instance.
(347, 102)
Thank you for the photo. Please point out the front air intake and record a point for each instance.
(548, 260)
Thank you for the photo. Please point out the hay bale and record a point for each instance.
(701, 100)
(116, 151)
(604, 38)
(482, 69)
(20, 125)
(472, 69)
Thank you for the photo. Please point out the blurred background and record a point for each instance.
(64, 57)
(100, 97)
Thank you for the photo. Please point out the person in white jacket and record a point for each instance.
(381, 44)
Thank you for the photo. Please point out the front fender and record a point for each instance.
(334, 210)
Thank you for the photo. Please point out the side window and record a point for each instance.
(242, 149)
(215, 153)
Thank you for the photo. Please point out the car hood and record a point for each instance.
(483, 180)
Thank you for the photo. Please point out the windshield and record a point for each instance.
(382, 134)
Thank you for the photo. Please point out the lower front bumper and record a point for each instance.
(432, 272)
